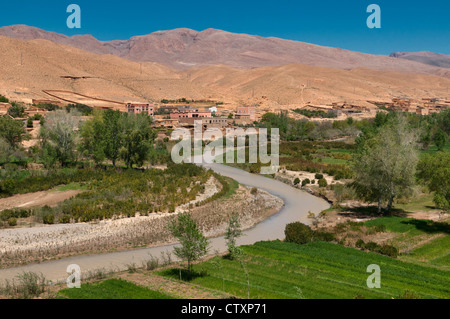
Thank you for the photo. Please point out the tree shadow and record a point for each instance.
(429, 226)
(183, 274)
(370, 212)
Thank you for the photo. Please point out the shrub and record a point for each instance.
(323, 182)
(65, 219)
(12, 222)
(388, 250)
(360, 243)
(318, 176)
(298, 233)
(306, 182)
(48, 219)
(324, 236)
(254, 191)
(297, 181)
(371, 246)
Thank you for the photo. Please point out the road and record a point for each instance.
(297, 205)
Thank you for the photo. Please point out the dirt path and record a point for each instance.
(50, 198)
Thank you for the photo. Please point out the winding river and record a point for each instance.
(297, 205)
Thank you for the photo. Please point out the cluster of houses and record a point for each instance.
(172, 116)
(424, 106)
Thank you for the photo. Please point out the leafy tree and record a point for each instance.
(233, 232)
(16, 110)
(112, 136)
(435, 171)
(194, 244)
(440, 138)
(58, 136)
(12, 131)
(92, 135)
(384, 165)
(137, 139)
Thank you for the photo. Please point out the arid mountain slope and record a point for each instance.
(29, 67)
(185, 48)
(426, 57)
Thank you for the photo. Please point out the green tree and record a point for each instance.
(112, 135)
(193, 244)
(138, 138)
(58, 136)
(434, 170)
(92, 135)
(440, 138)
(12, 131)
(16, 110)
(385, 164)
(233, 232)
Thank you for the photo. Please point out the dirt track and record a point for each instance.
(50, 198)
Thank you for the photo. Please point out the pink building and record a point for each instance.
(137, 108)
(189, 114)
(246, 111)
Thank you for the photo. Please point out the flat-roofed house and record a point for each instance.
(137, 108)
(246, 111)
(189, 114)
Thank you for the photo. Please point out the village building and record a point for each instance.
(246, 111)
(191, 113)
(137, 108)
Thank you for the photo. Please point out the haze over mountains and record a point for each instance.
(223, 66)
(431, 58)
(186, 48)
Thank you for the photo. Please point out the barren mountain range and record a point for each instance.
(212, 64)
(426, 57)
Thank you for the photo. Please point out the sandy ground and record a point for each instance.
(292, 175)
(50, 198)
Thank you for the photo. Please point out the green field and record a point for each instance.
(412, 232)
(317, 270)
(112, 289)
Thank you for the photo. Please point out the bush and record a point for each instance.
(318, 176)
(297, 181)
(12, 222)
(371, 246)
(323, 182)
(388, 250)
(48, 219)
(306, 182)
(65, 219)
(254, 191)
(360, 243)
(298, 233)
(324, 236)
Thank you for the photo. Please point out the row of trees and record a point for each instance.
(114, 135)
(110, 135)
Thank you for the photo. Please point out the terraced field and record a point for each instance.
(317, 270)
(112, 289)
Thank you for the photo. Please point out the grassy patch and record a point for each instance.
(317, 270)
(112, 289)
(70, 187)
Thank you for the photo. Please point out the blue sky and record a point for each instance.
(406, 25)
